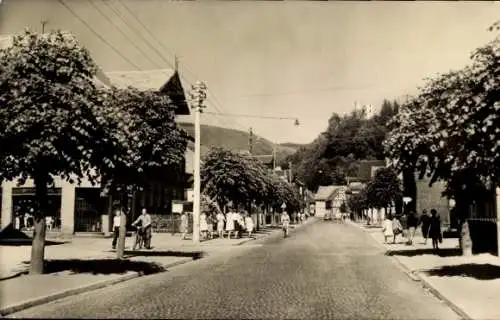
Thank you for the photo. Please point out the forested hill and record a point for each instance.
(336, 153)
(237, 140)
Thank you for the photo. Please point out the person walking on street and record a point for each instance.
(229, 223)
(404, 224)
(435, 229)
(425, 222)
(387, 228)
(397, 228)
(238, 223)
(220, 224)
(285, 223)
(145, 221)
(116, 226)
(203, 225)
(249, 225)
(412, 223)
(183, 228)
(210, 223)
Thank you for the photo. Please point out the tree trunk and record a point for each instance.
(120, 248)
(410, 188)
(38, 244)
(465, 240)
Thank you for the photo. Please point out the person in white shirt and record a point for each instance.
(116, 226)
(285, 223)
(249, 224)
(220, 224)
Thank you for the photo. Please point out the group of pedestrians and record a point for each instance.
(406, 226)
(234, 222)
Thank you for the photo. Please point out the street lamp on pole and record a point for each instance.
(198, 96)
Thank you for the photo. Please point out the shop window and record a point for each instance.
(89, 206)
(24, 204)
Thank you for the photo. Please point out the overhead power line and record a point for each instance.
(212, 99)
(122, 17)
(98, 35)
(122, 32)
(271, 94)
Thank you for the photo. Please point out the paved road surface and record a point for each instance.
(323, 271)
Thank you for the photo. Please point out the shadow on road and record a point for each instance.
(143, 253)
(101, 266)
(472, 270)
(12, 237)
(448, 252)
(26, 242)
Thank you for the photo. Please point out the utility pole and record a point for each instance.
(198, 95)
(176, 63)
(250, 141)
(274, 156)
(44, 22)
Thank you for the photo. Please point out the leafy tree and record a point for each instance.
(227, 176)
(449, 131)
(47, 115)
(357, 203)
(142, 144)
(143, 139)
(384, 189)
(335, 154)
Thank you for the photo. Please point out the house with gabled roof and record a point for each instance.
(328, 199)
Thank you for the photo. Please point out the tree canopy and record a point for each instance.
(143, 141)
(335, 154)
(383, 190)
(228, 176)
(48, 108)
(452, 125)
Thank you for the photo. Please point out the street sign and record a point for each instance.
(177, 207)
(407, 200)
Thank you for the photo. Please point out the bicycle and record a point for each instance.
(285, 230)
(139, 238)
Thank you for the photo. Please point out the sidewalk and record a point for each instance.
(474, 297)
(87, 264)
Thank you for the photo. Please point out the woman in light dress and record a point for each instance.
(183, 228)
(249, 225)
(387, 228)
(220, 224)
(229, 224)
(203, 225)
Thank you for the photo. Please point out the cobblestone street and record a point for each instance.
(324, 270)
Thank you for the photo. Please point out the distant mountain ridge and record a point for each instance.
(237, 140)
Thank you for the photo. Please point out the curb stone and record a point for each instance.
(417, 277)
(85, 288)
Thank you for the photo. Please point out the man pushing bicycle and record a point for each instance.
(144, 230)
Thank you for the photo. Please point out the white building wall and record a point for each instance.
(320, 208)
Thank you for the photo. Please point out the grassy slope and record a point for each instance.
(236, 140)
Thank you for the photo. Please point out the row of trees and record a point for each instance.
(230, 177)
(335, 154)
(450, 130)
(383, 191)
(56, 120)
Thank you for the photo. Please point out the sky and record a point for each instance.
(294, 59)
